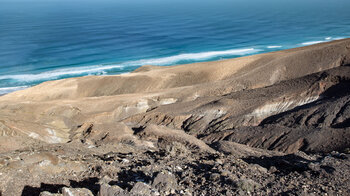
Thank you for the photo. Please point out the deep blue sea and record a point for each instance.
(43, 40)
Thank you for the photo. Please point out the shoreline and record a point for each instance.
(255, 51)
(196, 120)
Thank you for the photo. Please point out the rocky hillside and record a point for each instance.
(269, 124)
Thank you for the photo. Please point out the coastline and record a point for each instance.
(162, 123)
(150, 61)
(188, 98)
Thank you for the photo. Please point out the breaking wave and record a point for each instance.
(102, 69)
(11, 89)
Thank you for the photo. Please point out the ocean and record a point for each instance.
(43, 40)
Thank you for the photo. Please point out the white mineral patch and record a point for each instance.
(220, 113)
(167, 101)
(278, 107)
(141, 106)
(53, 138)
(215, 113)
(50, 131)
(34, 135)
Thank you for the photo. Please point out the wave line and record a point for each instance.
(101, 69)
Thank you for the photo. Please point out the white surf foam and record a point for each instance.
(101, 69)
(337, 38)
(327, 39)
(312, 42)
(55, 74)
(274, 47)
(194, 56)
(6, 90)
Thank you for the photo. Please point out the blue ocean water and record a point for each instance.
(43, 40)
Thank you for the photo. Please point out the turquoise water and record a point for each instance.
(55, 39)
